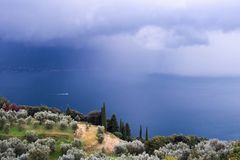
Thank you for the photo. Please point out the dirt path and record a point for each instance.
(87, 133)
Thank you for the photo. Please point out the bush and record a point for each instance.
(9, 154)
(29, 120)
(52, 116)
(77, 143)
(235, 152)
(98, 156)
(6, 128)
(39, 152)
(36, 124)
(134, 148)
(100, 134)
(155, 143)
(121, 149)
(181, 151)
(118, 134)
(40, 116)
(31, 136)
(24, 157)
(212, 150)
(18, 146)
(74, 125)
(63, 124)
(3, 121)
(73, 154)
(21, 122)
(142, 156)
(22, 114)
(49, 124)
(64, 148)
(50, 142)
(94, 118)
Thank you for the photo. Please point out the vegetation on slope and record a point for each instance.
(42, 133)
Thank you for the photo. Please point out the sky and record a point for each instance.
(182, 37)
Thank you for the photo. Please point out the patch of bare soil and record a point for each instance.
(87, 133)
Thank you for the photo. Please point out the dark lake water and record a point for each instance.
(166, 104)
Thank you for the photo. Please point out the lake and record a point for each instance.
(167, 104)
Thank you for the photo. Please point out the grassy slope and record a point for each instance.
(61, 136)
(87, 136)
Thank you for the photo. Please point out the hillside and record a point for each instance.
(87, 134)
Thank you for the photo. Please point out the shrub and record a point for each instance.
(65, 147)
(118, 134)
(3, 120)
(77, 118)
(235, 152)
(24, 157)
(143, 156)
(22, 114)
(212, 150)
(74, 125)
(94, 118)
(28, 120)
(77, 143)
(63, 124)
(98, 156)
(4, 145)
(7, 128)
(36, 123)
(63, 117)
(9, 154)
(134, 147)
(50, 142)
(66, 157)
(49, 124)
(40, 116)
(11, 116)
(39, 152)
(18, 146)
(155, 143)
(181, 151)
(21, 123)
(73, 154)
(121, 148)
(100, 134)
(31, 136)
(52, 116)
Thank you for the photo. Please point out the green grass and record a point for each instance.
(61, 136)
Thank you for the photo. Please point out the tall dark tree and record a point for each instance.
(121, 126)
(68, 111)
(146, 135)
(104, 116)
(128, 132)
(112, 125)
(140, 132)
(124, 131)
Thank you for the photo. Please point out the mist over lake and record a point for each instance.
(167, 104)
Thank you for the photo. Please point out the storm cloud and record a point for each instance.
(186, 37)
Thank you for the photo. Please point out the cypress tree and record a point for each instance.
(104, 116)
(124, 131)
(122, 127)
(128, 132)
(68, 111)
(140, 132)
(113, 124)
(146, 138)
